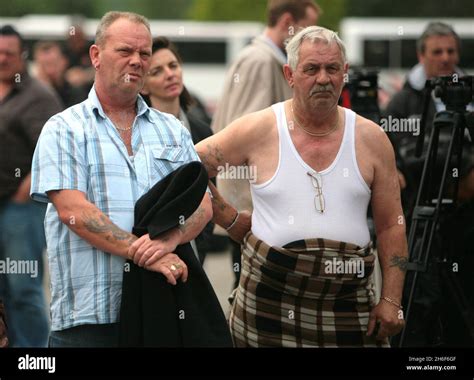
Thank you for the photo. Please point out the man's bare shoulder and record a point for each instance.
(372, 136)
(256, 124)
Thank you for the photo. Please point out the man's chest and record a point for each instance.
(112, 169)
(323, 154)
(318, 154)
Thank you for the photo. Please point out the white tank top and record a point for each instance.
(284, 206)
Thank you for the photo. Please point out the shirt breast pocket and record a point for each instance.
(166, 160)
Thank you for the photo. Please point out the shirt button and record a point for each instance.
(126, 173)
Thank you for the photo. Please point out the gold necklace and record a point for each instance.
(124, 129)
(316, 134)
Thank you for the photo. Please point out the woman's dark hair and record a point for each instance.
(185, 98)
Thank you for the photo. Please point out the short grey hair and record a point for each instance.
(110, 17)
(313, 34)
(436, 29)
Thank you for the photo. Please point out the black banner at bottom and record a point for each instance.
(133, 362)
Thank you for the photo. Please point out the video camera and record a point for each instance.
(455, 92)
(360, 93)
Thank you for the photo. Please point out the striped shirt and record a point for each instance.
(80, 149)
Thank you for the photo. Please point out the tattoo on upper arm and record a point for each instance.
(212, 158)
(100, 224)
(399, 261)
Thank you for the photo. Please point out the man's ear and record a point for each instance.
(94, 53)
(288, 74)
(285, 22)
(421, 58)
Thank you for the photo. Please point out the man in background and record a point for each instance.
(51, 64)
(438, 51)
(25, 105)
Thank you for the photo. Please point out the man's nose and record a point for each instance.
(135, 60)
(445, 56)
(323, 77)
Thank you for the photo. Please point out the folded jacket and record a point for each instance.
(153, 312)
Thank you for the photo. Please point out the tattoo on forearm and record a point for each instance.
(400, 262)
(194, 219)
(219, 204)
(213, 158)
(98, 223)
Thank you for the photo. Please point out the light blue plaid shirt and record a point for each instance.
(80, 149)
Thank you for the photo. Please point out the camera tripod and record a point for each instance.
(434, 203)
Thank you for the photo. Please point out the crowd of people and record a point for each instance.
(95, 127)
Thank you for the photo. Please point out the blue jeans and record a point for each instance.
(105, 335)
(22, 243)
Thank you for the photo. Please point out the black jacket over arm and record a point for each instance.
(153, 312)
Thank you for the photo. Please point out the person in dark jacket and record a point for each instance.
(438, 50)
(25, 105)
(165, 91)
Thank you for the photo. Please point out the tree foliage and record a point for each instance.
(255, 10)
(231, 10)
(410, 8)
(251, 10)
(153, 9)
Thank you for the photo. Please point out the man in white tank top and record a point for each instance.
(317, 167)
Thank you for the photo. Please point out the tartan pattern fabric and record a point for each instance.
(286, 298)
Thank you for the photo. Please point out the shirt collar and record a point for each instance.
(280, 54)
(142, 107)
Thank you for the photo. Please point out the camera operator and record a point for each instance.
(438, 51)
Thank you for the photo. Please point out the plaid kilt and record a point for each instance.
(287, 298)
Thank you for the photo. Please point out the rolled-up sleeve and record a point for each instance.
(59, 160)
